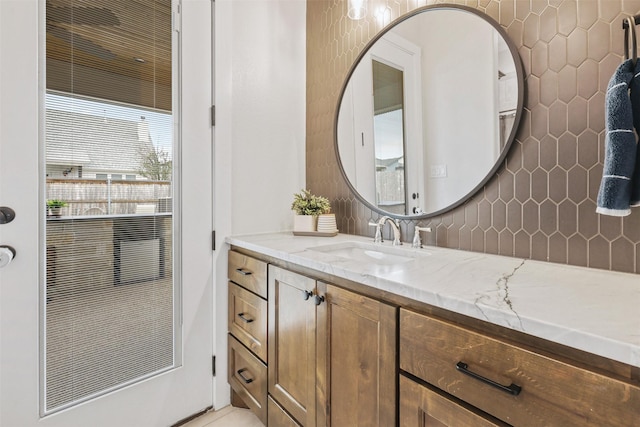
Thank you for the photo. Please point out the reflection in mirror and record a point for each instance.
(388, 136)
(428, 113)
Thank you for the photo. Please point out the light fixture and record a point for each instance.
(383, 15)
(357, 9)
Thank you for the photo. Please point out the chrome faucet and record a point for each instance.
(394, 226)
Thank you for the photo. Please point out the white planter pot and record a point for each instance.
(306, 223)
(327, 223)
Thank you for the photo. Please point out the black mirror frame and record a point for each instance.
(507, 146)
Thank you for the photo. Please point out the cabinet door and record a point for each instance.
(356, 382)
(292, 343)
(277, 416)
(422, 407)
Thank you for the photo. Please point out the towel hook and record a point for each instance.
(629, 25)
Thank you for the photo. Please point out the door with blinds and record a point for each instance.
(111, 307)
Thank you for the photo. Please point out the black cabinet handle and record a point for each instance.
(511, 389)
(243, 317)
(319, 299)
(306, 294)
(243, 271)
(240, 373)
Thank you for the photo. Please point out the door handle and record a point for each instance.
(6, 215)
(7, 254)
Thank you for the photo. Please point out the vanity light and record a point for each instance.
(357, 9)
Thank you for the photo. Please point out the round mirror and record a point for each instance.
(429, 111)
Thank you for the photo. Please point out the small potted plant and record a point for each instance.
(54, 207)
(307, 208)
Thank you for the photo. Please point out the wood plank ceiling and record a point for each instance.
(118, 50)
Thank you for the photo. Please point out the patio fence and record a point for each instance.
(107, 197)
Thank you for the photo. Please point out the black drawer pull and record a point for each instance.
(319, 299)
(512, 389)
(244, 272)
(245, 318)
(306, 294)
(245, 379)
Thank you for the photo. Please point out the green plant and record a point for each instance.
(55, 203)
(305, 203)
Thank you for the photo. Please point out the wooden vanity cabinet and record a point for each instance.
(332, 354)
(292, 344)
(356, 370)
(247, 324)
(517, 385)
(306, 353)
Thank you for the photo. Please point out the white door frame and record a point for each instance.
(160, 400)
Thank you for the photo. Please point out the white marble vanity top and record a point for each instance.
(592, 310)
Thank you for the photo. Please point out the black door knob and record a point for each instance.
(6, 215)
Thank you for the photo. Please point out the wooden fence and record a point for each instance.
(107, 197)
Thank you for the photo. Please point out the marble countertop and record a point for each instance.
(593, 310)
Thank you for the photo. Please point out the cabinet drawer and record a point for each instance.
(420, 406)
(248, 272)
(248, 378)
(552, 392)
(248, 319)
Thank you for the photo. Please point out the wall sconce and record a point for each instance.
(357, 9)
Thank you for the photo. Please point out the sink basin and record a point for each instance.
(371, 253)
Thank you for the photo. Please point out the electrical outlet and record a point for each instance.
(438, 171)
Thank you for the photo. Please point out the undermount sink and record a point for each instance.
(371, 253)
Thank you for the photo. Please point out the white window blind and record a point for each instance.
(110, 291)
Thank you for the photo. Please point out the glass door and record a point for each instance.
(110, 310)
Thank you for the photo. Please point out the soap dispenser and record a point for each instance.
(417, 243)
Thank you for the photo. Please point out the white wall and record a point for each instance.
(260, 83)
(461, 127)
(260, 75)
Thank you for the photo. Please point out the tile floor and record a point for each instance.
(226, 417)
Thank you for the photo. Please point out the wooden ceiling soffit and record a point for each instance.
(118, 50)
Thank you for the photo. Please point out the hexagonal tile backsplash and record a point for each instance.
(541, 203)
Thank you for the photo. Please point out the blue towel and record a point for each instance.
(614, 197)
(635, 106)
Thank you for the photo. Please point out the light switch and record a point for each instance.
(438, 171)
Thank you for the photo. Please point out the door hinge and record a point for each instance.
(213, 115)
(213, 365)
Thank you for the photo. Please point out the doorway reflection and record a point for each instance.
(388, 129)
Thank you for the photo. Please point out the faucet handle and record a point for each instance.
(377, 238)
(417, 243)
